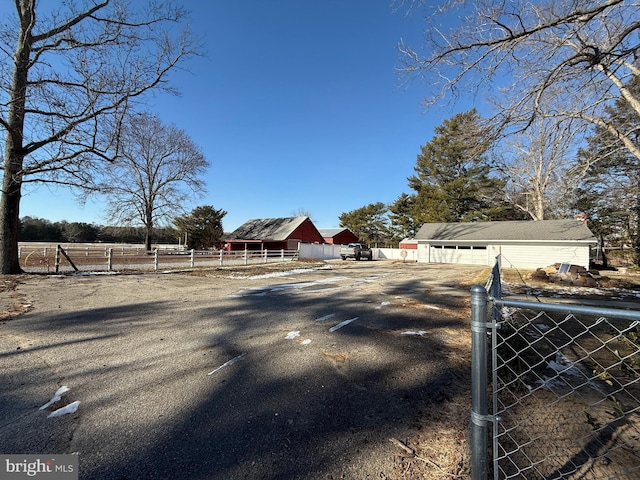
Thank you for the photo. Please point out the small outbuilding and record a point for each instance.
(273, 234)
(409, 244)
(522, 244)
(338, 236)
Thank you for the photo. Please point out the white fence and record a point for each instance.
(326, 251)
(45, 257)
(55, 259)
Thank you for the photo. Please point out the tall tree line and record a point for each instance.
(42, 230)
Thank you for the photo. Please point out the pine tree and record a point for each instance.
(369, 223)
(452, 181)
(203, 227)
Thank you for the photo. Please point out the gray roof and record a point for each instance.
(543, 230)
(330, 232)
(276, 229)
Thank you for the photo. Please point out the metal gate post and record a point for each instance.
(479, 418)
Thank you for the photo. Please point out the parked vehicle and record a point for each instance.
(357, 251)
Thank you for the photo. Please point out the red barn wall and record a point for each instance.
(344, 238)
(307, 233)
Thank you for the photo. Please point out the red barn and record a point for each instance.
(273, 234)
(338, 236)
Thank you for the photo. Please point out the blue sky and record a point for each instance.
(297, 106)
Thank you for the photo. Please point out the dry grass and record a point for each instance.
(439, 448)
(621, 279)
(12, 303)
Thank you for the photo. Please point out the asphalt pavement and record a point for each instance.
(299, 375)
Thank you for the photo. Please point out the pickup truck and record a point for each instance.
(357, 251)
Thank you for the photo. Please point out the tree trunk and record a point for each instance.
(13, 148)
(9, 222)
(603, 254)
(147, 239)
(148, 228)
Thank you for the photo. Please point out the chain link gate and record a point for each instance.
(565, 389)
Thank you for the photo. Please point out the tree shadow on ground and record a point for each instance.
(282, 410)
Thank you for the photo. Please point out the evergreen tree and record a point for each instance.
(452, 181)
(369, 223)
(203, 227)
(402, 214)
(39, 230)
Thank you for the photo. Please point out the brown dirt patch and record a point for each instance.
(12, 303)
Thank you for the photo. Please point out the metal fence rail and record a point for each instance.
(108, 259)
(565, 389)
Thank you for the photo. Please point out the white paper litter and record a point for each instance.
(292, 335)
(342, 324)
(56, 396)
(227, 363)
(71, 408)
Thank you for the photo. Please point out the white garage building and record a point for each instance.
(522, 244)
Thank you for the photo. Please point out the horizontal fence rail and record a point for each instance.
(117, 259)
(41, 254)
(565, 383)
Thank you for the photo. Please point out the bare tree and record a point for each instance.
(157, 169)
(537, 166)
(551, 58)
(65, 70)
(302, 212)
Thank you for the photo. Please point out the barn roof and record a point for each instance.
(275, 229)
(543, 230)
(331, 232)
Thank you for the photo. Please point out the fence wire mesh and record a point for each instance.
(565, 389)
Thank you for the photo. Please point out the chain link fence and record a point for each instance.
(564, 384)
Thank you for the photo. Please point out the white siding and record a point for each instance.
(534, 256)
(517, 256)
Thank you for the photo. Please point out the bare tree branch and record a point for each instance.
(532, 58)
(70, 70)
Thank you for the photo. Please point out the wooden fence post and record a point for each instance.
(193, 258)
(60, 250)
(109, 259)
(155, 260)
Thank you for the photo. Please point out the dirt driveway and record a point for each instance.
(299, 371)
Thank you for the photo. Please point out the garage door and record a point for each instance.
(464, 254)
